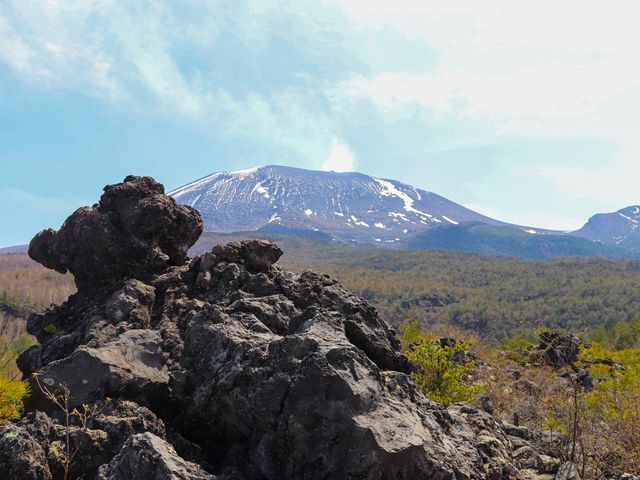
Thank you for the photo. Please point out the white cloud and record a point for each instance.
(340, 158)
(541, 91)
(558, 71)
(617, 188)
(103, 50)
(513, 66)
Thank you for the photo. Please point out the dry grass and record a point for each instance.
(28, 286)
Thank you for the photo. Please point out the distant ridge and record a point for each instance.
(620, 229)
(498, 240)
(14, 249)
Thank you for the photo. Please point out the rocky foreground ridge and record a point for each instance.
(224, 366)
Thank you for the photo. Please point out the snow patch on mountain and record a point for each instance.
(619, 228)
(628, 218)
(389, 189)
(260, 189)
(343, 205)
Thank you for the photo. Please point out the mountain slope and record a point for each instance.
(346, 206)
(621, 228)
(14, 249)
(499, 240)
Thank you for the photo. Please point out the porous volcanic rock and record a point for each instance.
(133, 232)
(559, 349)
(146, 455)
(225, 366)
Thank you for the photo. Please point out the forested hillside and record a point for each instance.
(496, 297)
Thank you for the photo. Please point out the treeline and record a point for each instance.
(27, 286)
(495, 297)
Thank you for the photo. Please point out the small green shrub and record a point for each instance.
(50, 328)
(438, 376)
(12, 393)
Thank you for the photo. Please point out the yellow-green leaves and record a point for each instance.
(12, 392)
(438, 376)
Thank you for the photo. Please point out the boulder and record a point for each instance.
(103, 437)
(548, 464)
(148, 456)
(23, 449)
(559, 349)
(520, 432)
(568, 471)
(526, 457)
(132, 366)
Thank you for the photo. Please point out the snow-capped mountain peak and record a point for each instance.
(347, 206)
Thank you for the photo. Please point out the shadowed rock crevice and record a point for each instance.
(224, 366)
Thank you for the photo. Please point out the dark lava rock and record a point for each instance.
(568, 471)
(224, 366)
(133, 232)
(148, 456)
(559, 349)
(462, 356)
(23, 446)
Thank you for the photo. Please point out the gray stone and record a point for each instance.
(132, 365)
(568, 471)
(526, 457)
(520, 432)
(148, 456)
(547, 464)
(23, 449)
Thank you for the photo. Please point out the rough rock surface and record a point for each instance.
(134, 231)
(559, 349)
(225, 366)
(23, 449)
(146, 455)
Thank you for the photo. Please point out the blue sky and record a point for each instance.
(526, 111)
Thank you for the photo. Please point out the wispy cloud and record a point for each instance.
(104, 50)
(396, 83)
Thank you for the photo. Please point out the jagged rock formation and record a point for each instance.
(557, 349)
(134, 231)
(223, 366)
